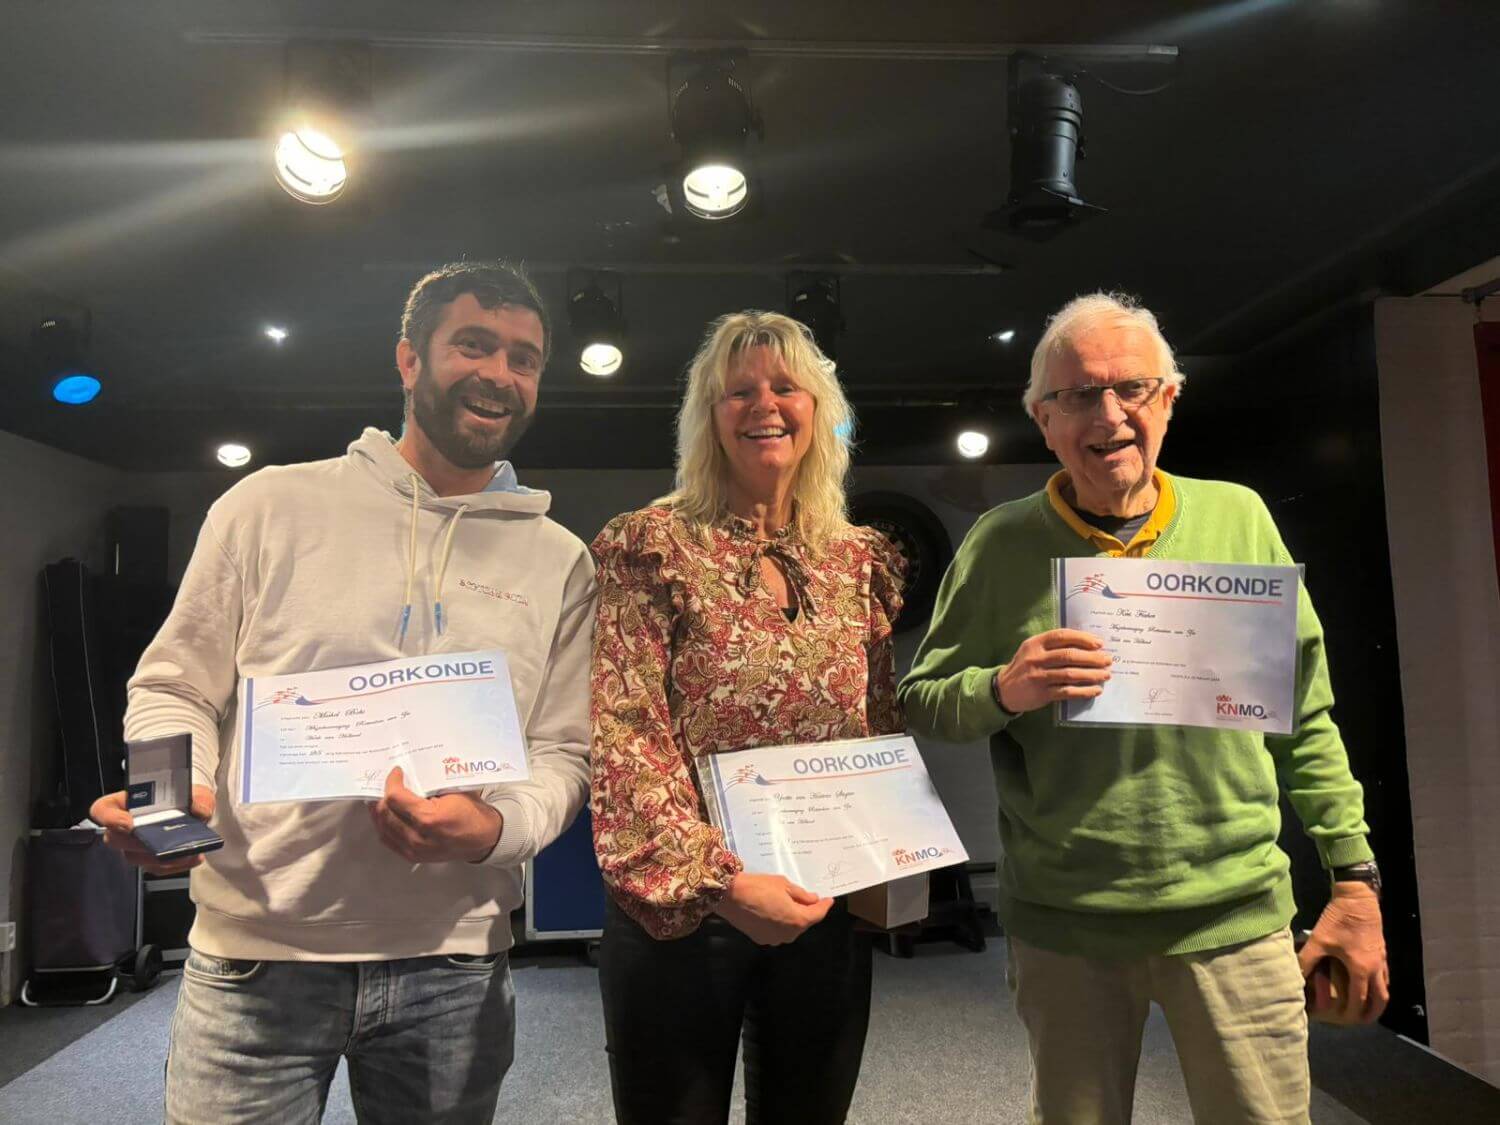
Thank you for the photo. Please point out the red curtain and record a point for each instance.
(1487, 348)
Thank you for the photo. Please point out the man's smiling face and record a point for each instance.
(1111, 451)
(474, 393)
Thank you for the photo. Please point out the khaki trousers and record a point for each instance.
(1236, 1016)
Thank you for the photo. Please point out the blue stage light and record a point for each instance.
(75, 389)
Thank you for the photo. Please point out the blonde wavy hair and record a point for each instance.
(819, 512)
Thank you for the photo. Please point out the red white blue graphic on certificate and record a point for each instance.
(1194, 644)
(449, 721)
(832, 817)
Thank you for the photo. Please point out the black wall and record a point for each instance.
(1301, 425)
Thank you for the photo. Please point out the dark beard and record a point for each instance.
(437, 413)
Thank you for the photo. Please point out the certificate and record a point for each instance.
(449, 721)
(1194, 644)
(832, 817)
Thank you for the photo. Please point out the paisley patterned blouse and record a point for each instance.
(693, 656)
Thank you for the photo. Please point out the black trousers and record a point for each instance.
(674, 1011)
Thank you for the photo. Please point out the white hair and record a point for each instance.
(1085, 313)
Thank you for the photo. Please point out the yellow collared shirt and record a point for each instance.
(1161, 516)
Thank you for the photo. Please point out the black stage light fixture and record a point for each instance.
(324, 107)
(1046, 139)
(815, 299)
(60, 345)
(598, 324)
(712, 118)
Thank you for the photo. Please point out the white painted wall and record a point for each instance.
(1448, 628)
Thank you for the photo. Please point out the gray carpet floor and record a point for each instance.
(944, 1049)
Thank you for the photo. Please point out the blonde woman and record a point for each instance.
(742, 610)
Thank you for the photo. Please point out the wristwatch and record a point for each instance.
(995, 695)
(1366, 872)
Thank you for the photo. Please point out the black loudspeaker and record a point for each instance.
(138, 545)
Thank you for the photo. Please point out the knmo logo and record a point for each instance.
(1227, 707)
(905, 857)
(457, 767)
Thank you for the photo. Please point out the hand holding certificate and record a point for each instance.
(1194, 644)
(449, 721)
(832, 817)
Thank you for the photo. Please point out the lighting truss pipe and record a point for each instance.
(637, 45)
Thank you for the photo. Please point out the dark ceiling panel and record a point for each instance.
(1302, 156)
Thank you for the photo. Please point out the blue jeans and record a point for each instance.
(428, 1039)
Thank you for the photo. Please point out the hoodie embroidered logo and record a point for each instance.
(491, 592)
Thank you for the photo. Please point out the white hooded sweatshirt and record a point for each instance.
(307, 567)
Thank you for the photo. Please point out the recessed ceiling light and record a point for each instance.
(1003, 337)
(233, 455)
(276, 332)
(75, 389)
(972, 444)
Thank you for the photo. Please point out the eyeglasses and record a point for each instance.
(1129, 393)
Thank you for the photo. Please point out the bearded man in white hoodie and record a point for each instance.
(375, 932)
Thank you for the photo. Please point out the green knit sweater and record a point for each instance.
(1122, 842)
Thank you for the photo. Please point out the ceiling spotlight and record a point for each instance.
(276, 333)
(972, 444)
(233, 455)
(715, 191)
(598, 325)
(816, 300)
(1004, 337)
(60, 345)
(1046, 138)
(310, 165)
(326, 100)
(712, 119)
(600, 359)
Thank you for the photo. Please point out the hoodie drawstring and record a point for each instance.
(411, 557)
(411, 561)
(437, 604)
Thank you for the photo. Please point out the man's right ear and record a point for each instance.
(1041, 423)
(408, 363)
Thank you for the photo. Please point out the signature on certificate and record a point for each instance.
(372, 777)
(1161, 695)
(835, 869)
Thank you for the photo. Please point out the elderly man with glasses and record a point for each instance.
(1140, 863)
